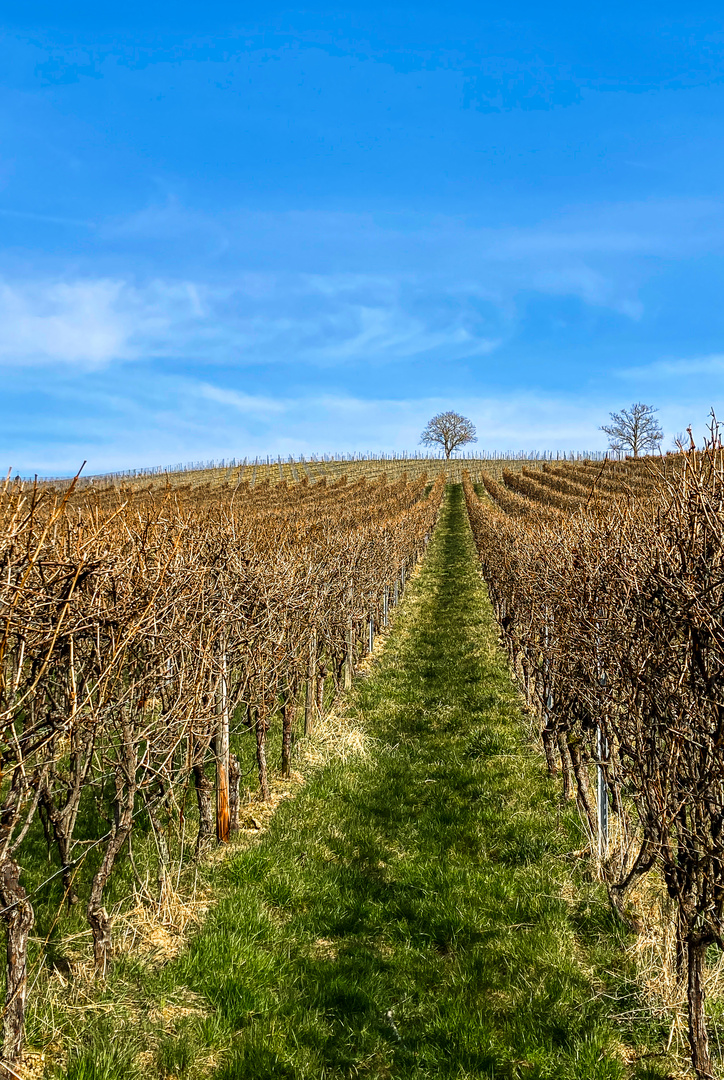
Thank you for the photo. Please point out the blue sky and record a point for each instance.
(229, 230)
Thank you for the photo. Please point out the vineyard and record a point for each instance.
(166, 642)
(608, 587)
(289, 470)
(145, 634)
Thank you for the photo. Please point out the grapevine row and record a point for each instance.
(612, 616)
(139, 630)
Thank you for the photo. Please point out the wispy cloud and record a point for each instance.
(594, 288)
(89, 323)
(450, 285)
(699, 365)
(247, 404)
(161, 420)
(155, 419)
(259, 319)
(47, 219)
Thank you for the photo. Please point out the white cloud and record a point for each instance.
(163, 419)
(700, 365)
(74, 323)
(449, 286)
(259, 319)
(525, 243)
(89, 323)
(591, 286)
(249, 404)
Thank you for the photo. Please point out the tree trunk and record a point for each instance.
(125, 796)
(222, 758)
(549, 747)
(62, 818)
(349, 658)
(57, 822)
(618, 890)
(309, 707)
(321, 676)
(100, 923)
(288, 711)
(696, 950)
(566, 766)
(234, 785)
(206, 814)
(164, 858)
(98, 918)
(583, 789)
(19, 918)
(309, 698)
(260, 728)
(526, 678)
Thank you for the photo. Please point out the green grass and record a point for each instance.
(405, 914)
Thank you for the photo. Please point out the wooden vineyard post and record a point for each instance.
(548, 732)
(261, 726)
(602, 793)
(371, 632)
(349, 662)
(602, 755)
(288, 713)
(397, 592)
(321, 676)
(222, 757)
(309, 695)
(385, 602)
(234, 785)
(349, 658)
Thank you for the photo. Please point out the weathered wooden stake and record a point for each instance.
(222, 758)
(349, 659)
(260, 729)
(288, 713)
(234, 785)
(309, 696)
(602, 794)
(602, 755)
(321, 676)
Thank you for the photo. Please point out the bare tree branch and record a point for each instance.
(449, 430)
(635, 429)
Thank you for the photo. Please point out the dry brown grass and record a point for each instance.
(337, 737)
(159, 933)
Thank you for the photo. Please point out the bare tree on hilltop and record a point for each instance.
(635, 429)
(449, 430)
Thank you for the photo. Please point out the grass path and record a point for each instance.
(413, 914)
